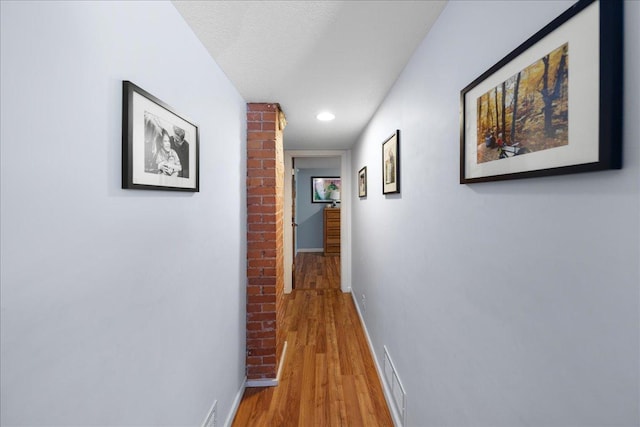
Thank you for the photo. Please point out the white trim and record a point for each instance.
(236, 404)
(397, 418)
(345, 213)
(310, 250)
(270, 382)
(265, 382)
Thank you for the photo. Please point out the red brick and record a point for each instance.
(254, 272)
(261, 316)
(254, 343)
(268, 271)
(267, 173)
(268, 145)
(260, 245)
(261, 136)
(260, 334)
(255, 117)
(254, 199)
(269, 201)
(253, 145)
(255, 254)
(258, 163)
(263, 368)
(264, 351)
(269, 360)
(269, 325)
(265, 226)
(259, 209)
(269, 342)
(268, 307)
(269, 182)
(254, 326)
(256, 126)
(255, 308)
(258, 298)
(255, 236)
(253, 290)
(262, 107)
(268, 218)
(260, 154)
(269, 125)
(262, 263)
(265, 281)
(268, 163)
(254, 182)
(268, 290)
(255, 360)
(262, 227)
(259, 191)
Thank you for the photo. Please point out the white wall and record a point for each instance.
(119, 307)
(509, 303)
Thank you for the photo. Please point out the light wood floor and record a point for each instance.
(316, 271)
(329, 377)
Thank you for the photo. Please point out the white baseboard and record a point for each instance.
(310, 250)
(270, 382)
(397, 419)
(236, 404)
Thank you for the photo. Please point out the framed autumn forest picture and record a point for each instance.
(553, 105)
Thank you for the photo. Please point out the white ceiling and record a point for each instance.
(311, 56)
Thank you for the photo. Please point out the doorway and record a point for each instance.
(306, 243)
(316, 216)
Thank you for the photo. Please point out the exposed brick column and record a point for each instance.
(265, 268)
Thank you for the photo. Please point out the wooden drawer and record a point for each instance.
(332, 250)
(333, 223)
(331, 232)
(333, 213)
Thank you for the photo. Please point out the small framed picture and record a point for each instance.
(160, 148)
(325, 189)
(391, 164)
(362, 182)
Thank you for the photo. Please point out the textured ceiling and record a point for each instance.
(312, 56)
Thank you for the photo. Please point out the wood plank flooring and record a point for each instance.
(316, 271)
(329, 377)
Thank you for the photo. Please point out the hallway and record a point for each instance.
(329, 377)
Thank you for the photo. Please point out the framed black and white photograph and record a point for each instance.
(553, 105)
(160, 148)
(391, 164)
(362, 182)
(325, 189)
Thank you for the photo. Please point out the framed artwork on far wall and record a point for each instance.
(553, 105)
(325, 189)
(391, 164)
(160, 148)
(362, 182)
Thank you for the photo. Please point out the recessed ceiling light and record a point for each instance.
(325, 116)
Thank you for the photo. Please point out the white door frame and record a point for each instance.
(345, 213)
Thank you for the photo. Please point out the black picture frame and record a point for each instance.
(581, 128)
(362, 182)
(325, 189)
(391, 164)
(160, 147)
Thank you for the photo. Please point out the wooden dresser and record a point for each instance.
(331, 234)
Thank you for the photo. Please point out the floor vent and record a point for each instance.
(397, 390)
(211, 420)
